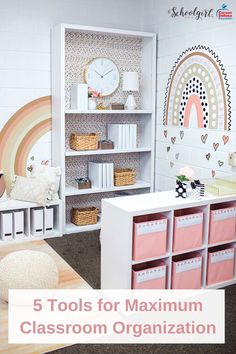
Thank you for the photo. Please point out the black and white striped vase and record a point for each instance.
(180, 189)
(201, 187)
(195, 193)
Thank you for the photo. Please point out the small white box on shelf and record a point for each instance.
(104, 175)
(48, 220)
(6, 229)
(110, 175)
(133, 136)
(37, 222)
(18, 224)
(79, 97)
(95, 174)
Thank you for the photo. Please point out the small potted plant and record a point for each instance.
(185, 174)
(92, 94)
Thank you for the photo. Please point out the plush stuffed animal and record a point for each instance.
(3, 194)
(51, 174)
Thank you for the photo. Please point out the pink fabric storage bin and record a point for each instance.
(149, 278)
(220, 266)
(188, 229)
(149, 236)
(222, 224)
(187, 273)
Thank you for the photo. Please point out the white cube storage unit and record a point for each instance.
(192, 259)
(22, 221)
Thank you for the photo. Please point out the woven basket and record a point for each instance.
(84, 141)
(84, 216)
(124, 176)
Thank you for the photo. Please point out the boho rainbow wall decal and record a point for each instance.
(198, 80)
(20, 133)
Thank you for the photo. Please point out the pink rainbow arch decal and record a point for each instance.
(193, 100)
(20, 133)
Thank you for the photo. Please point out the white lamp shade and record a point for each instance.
(130, 81)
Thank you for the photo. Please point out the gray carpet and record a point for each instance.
(82, 252)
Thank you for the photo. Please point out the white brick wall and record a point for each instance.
(174, 36)
(25, 45)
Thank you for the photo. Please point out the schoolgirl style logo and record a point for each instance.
(196, 13)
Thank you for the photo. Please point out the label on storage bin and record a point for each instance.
(188, 264)
(150, 274)
(224, 214)
(151, 226)
(222, 255)
(189, 220)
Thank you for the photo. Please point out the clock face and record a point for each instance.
(102, 75)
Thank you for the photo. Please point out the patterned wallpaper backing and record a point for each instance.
(78, 167)
(87, 123)
(82, 47)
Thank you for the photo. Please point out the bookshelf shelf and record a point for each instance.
(72, 229)
(109, 111)
(66, 58)
(70, 190)
(106, 152)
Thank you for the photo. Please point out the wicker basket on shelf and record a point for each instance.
(84, 141)
(124, 176)
(84, 216)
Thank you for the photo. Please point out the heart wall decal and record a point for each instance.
(181, 133)
(173, 139)
(215, 146)
(177, 156)
(213, 173)
(225, 139)
(165, 133)
(204, 138)
(208, 156)
(220, 163)
(168, 148)
(171, 164)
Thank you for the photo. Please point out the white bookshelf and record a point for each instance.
(65, 39)
(116, 251)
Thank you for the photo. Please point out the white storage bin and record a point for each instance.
(18, 224)
(37, 227)
(48, 221)
(6, 228)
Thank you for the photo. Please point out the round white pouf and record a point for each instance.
(27, 270)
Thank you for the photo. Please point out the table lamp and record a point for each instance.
(130, 83)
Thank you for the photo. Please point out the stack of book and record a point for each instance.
(101, 174)
(79, 97)
(124, 136)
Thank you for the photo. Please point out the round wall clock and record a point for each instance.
(102, 75)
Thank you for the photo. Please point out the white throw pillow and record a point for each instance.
(27, 270)
(51, 174)
(35, 190)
